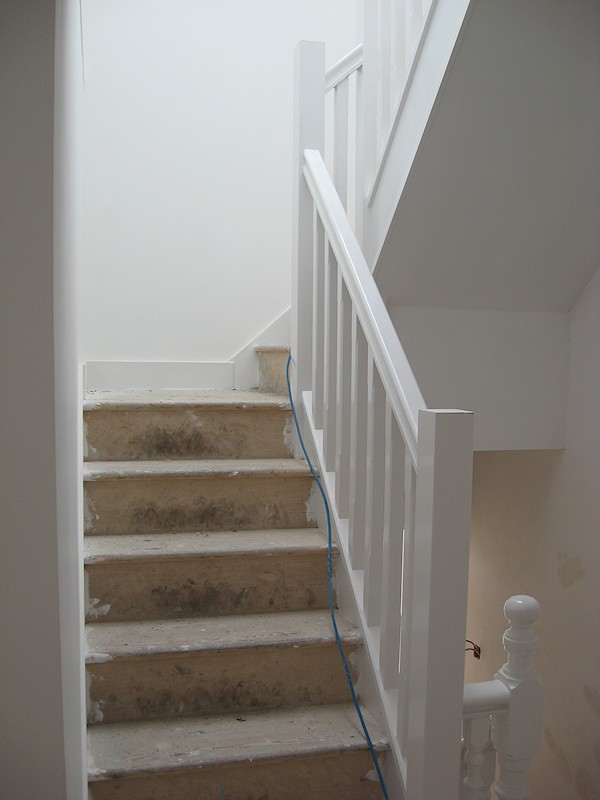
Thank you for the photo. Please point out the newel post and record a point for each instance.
(517, 735)
(309, 133)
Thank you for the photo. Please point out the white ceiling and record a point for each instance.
(500, 210)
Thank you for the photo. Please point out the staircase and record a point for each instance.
(212, 669)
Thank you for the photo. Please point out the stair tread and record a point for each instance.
(119, 749)
(256, 467)
(162, 546)
(182, 398)
(118, 640)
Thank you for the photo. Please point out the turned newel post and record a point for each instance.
(517, 735)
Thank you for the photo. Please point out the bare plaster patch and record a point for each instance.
(570, 570)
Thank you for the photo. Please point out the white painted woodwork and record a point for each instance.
(376, 428)
(309, 127)
(340, 140)
(441, 559)
(393, 524)
(114, 375)
(344, 399)
(400, 494)
(517, 735)
(396, 374)
(480, 759)
(318, 355)
(330, 338)
(358, 446)
(387, 172)
(407, 578)
(341, 70)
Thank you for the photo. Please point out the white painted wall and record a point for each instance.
(188, 157)
(31, 712)
(509, 367)
(536, 519)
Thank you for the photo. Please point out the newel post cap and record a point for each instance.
(521, 610)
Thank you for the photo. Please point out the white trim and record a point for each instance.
(245, 362)
(157, 375)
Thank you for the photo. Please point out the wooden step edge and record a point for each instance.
(194, 468)
(119, 750)
(180, 638)
(209, 399)
(111, 548)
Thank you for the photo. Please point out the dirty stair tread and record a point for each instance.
(119, 640)
(203, 468)
(169, 546)
(136, 399)
(121, 749)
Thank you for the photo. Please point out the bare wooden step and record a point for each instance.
(204, 574)
(185, 424)
(316, 752)
(215, 666)
(147, 496)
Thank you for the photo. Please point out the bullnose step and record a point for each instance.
(316, 752)
(214, 666)
(204, 574)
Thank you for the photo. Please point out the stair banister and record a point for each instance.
(408, 478)
(503, 717)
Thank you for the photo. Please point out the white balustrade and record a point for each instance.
(503, 717)
(398, 479)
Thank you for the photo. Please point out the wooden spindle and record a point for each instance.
(375, 498)
(410, 487)
(330, 342)
(480, 759)
(340, 140)
(318, 319)
(344, 398)
(358, 445)
(389, 649)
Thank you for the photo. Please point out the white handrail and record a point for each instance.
(343, 68)
(393, 365)
(487, 697)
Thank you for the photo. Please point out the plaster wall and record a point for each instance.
(31, 713)
(187, 160)
(536, 518)
(509, 367)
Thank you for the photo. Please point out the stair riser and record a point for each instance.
(214, 586)
(196, 504)
(341, 775)
(186, 433)
(272, 371)
(228, 681)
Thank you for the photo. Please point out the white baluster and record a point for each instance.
(318, 321)
(344, 397)
(410, 485)
(340, 140)
(375, 498)
(517, 735)
(358, 446)
(480, 759)
(389, 649)
(309, 126)
(330, 413)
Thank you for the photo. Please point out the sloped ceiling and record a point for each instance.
(500, 210)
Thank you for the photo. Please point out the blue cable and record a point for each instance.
(330, 585)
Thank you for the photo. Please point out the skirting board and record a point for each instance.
(109, 375)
